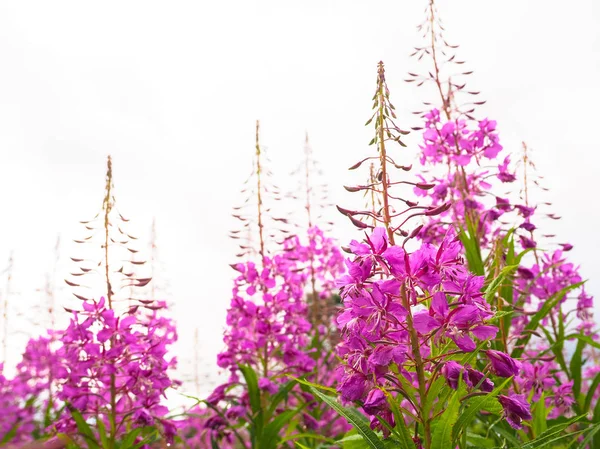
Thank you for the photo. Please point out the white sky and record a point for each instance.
(172, 89)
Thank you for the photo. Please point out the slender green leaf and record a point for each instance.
(129, 439)
(493, 287)
(588, 438)
(313, 385)
(475, 405)
(313, 436)
(444, 424)
(585, 339)
(575, 368)
(400, 430)
(257, 423)
(539, 412)
(252, 384)
(539, 315)
(270, 435)
(472, 252)
(591, 391)
(354, 417)
(552, 434)
(433, 394)
(10, 434)
(102, 432)
(84, 428)
(479, 442)
(281, 395)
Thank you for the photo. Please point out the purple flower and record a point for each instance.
(504, 174)
(516, 409)
(265, 383)
(476, 378)
(502, 364)
(352, 388)
(375, 402)
(452, 371)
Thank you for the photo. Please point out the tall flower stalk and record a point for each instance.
(115, 348)
(411, 319)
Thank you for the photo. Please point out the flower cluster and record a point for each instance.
(459, 149)
(16, 414)
(407, 315)
(321, 257)
(456, 147)
(28, 399)
(117, 367)
(270, 330)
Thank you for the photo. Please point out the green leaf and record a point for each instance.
(501, 314)
(353, 440)
(539, 412)
(433, 394)
(590, 395)
(503, 429)
(310, 384)
(281, 395)
(444, 424)
(10, 434)
(301, 446)
(584, 338)
(479, 442)
(472, 251)
(493, 286)
(150, 435)
(491, 405)
(475, 405)
(255, 404)
(552, 434)
(270, 435)
(84, 428)
(540, 314)
(588, 438)
(596, 419)
(557, 348)
(400, 430)
(314, 436)
(252, 384)
(129, 439)
(354, 417)
(408, 388)
(575, 368)
(102, 432)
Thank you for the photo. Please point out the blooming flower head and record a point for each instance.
(502, 364)
(516, 409)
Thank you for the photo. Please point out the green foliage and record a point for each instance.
(539, 316)
(473, 406)
(354, 417)
(470, 241)
(265, 424)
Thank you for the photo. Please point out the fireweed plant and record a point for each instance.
(430, 350)
(460, 322)
(260, 222)
(416, 325)
(279, 327)
(28, 402)
(543, 300)
(450, 337)
(115, 347)
(101, 382)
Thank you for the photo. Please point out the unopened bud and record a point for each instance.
(438, 210)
